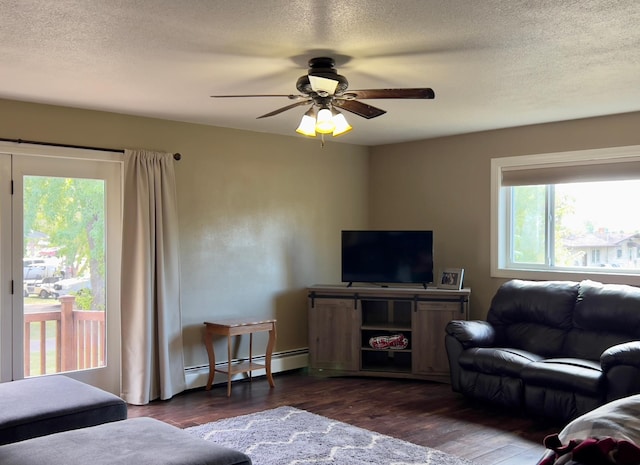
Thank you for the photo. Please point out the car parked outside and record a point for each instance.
(70, 286)
(35, 275)
(46, 289)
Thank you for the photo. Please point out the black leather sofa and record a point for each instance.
(552, 349)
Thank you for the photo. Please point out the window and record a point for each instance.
(566, 212)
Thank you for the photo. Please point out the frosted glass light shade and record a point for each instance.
(307, 125)
(323, 84)
(342, 126)
(324, 121)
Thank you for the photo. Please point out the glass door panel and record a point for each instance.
(64, 274)
(64, 254)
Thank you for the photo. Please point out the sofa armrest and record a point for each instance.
(621, 365)
(627, 353)
(474, 333)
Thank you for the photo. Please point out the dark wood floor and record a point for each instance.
(420, 412)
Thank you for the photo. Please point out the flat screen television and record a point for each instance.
(387, 257)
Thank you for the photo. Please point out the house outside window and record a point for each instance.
(566, 212)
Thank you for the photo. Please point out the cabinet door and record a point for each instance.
(333, 334)
(429, 322)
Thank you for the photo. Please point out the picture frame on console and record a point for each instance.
(451, 278)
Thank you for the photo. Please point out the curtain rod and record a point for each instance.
(176, 156)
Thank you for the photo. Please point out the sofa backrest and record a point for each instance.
(533, 316)
(565, 318)
(604, 315)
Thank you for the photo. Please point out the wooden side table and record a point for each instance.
(235, 327)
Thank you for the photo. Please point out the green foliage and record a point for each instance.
(529, 205)
(564, 206)
(70, 211)
(84, 300)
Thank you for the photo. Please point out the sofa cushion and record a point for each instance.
(497, 360)
(497, 389)
(590, 344)
(37, 406)
(139, 441)
(568, 374)
(558, 404)
(609, 308)
(533, 316)
(604, 315)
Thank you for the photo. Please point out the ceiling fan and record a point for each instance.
(326, 91)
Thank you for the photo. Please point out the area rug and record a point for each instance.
(289, 436)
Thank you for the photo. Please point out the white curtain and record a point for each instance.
(152, 353)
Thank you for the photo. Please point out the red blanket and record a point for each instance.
(592, 451)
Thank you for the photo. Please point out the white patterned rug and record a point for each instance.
(289, 436)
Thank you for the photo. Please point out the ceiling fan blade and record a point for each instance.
(288, 107)
(422, 93)
(319, 84)
(359, 108)
(290, 96)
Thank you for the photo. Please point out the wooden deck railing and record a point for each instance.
(79, 338)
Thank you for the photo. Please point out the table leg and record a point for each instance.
(250, 355)
(270, 346)
(229, 376)
(208, 342)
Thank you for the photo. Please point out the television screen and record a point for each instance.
(387, 257)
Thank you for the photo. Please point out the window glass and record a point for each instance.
(592, 225)
(600, 216)
(550, 212)
(529, 224)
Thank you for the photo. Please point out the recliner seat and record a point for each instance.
(554, 349)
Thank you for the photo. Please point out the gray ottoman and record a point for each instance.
(136, 441)
(38, 406)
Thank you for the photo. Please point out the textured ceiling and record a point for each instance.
(492, 64)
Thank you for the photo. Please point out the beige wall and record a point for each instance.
(444, 184)
(260, 215)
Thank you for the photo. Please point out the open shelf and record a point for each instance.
(386, 360)
(384, 317)
(240, 367)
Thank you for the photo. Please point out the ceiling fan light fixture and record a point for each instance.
(323, 88)
(307, 125)
(342, 126)
(321, 84)
(324, 121)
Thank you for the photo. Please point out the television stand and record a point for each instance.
(342, 322)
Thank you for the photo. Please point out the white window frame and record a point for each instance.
(499, 247)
